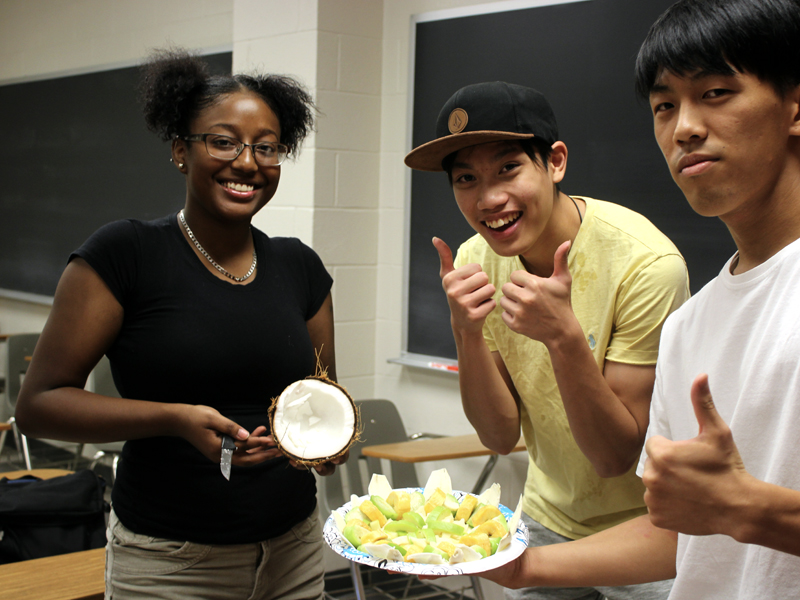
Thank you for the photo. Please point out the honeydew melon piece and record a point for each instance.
(355, 513)
(384, 507)
(451, 503)
(414, 518)
(354, 534)
(401, 525)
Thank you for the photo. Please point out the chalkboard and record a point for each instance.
(581, 55)
(76, 154)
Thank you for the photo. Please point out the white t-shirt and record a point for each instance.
(744, 331)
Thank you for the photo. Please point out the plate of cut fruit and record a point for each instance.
(427, 531)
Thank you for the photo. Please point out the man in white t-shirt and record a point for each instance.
(722, 462)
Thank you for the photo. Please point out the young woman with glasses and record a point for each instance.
(204, 319)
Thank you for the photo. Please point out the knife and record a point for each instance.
(227, 453)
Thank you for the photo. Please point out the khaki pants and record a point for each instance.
(288, 567)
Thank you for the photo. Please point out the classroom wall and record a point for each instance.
(347, 193)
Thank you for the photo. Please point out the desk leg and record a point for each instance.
(476, 587)
(487, 469)
(358, 584)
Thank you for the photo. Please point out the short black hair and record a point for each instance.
(539, 152)
(761, 37)
(176, 86)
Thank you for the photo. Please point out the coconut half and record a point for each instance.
(314, 420)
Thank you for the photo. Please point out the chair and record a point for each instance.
(19, 351)
(104, 384)
(381, 424)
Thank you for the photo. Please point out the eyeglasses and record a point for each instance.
(224, 147)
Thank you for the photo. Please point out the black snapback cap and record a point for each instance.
(486, 112)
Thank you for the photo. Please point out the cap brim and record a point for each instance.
(429, 156)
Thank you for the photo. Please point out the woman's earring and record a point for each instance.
(180, 165)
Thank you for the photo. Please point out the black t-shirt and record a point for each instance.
(190, 337)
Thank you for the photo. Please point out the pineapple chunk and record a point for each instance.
(373, 536)
(436, 499)
(491, 527)
(468, 504)
(372, 512)
(478, 539)
(483, 514)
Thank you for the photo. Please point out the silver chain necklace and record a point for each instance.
(218, 267)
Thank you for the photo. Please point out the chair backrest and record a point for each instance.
(103, 383)
(104, 380)
(18, 347)
(381, 424)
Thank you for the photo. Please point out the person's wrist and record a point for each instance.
(568, 339)
(468, 333)
(172, 419)
(748, 513)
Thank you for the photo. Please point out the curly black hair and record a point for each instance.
(176, 86)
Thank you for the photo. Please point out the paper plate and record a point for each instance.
(339, 545)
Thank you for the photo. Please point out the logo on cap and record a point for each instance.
(457, 120)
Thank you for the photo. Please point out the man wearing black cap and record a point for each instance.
(556, 307)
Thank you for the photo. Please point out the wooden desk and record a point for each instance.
(40, 473)
(443, 448)
(74, 576)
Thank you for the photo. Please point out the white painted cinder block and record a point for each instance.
(389, 304)
(325, 178)
(354, 296)
(360, 64)
(352, 121)
(327, 61)
(355, 348)
(293, 54)
(346, 237)
(391, 231)
(297, 186)
(355, 17)
(255, 19)
(357, 179)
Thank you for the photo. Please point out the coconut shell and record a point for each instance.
(357, 428)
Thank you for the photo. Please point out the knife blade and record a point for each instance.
(227, 454)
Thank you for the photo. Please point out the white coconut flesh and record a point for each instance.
(314, 420)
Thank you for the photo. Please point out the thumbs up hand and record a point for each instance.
(540, 307)
(469, 293)
(692, 484)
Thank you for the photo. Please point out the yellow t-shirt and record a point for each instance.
(627, 277)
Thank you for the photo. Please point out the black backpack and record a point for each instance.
(46, 517)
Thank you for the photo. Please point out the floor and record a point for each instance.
(381, 585)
